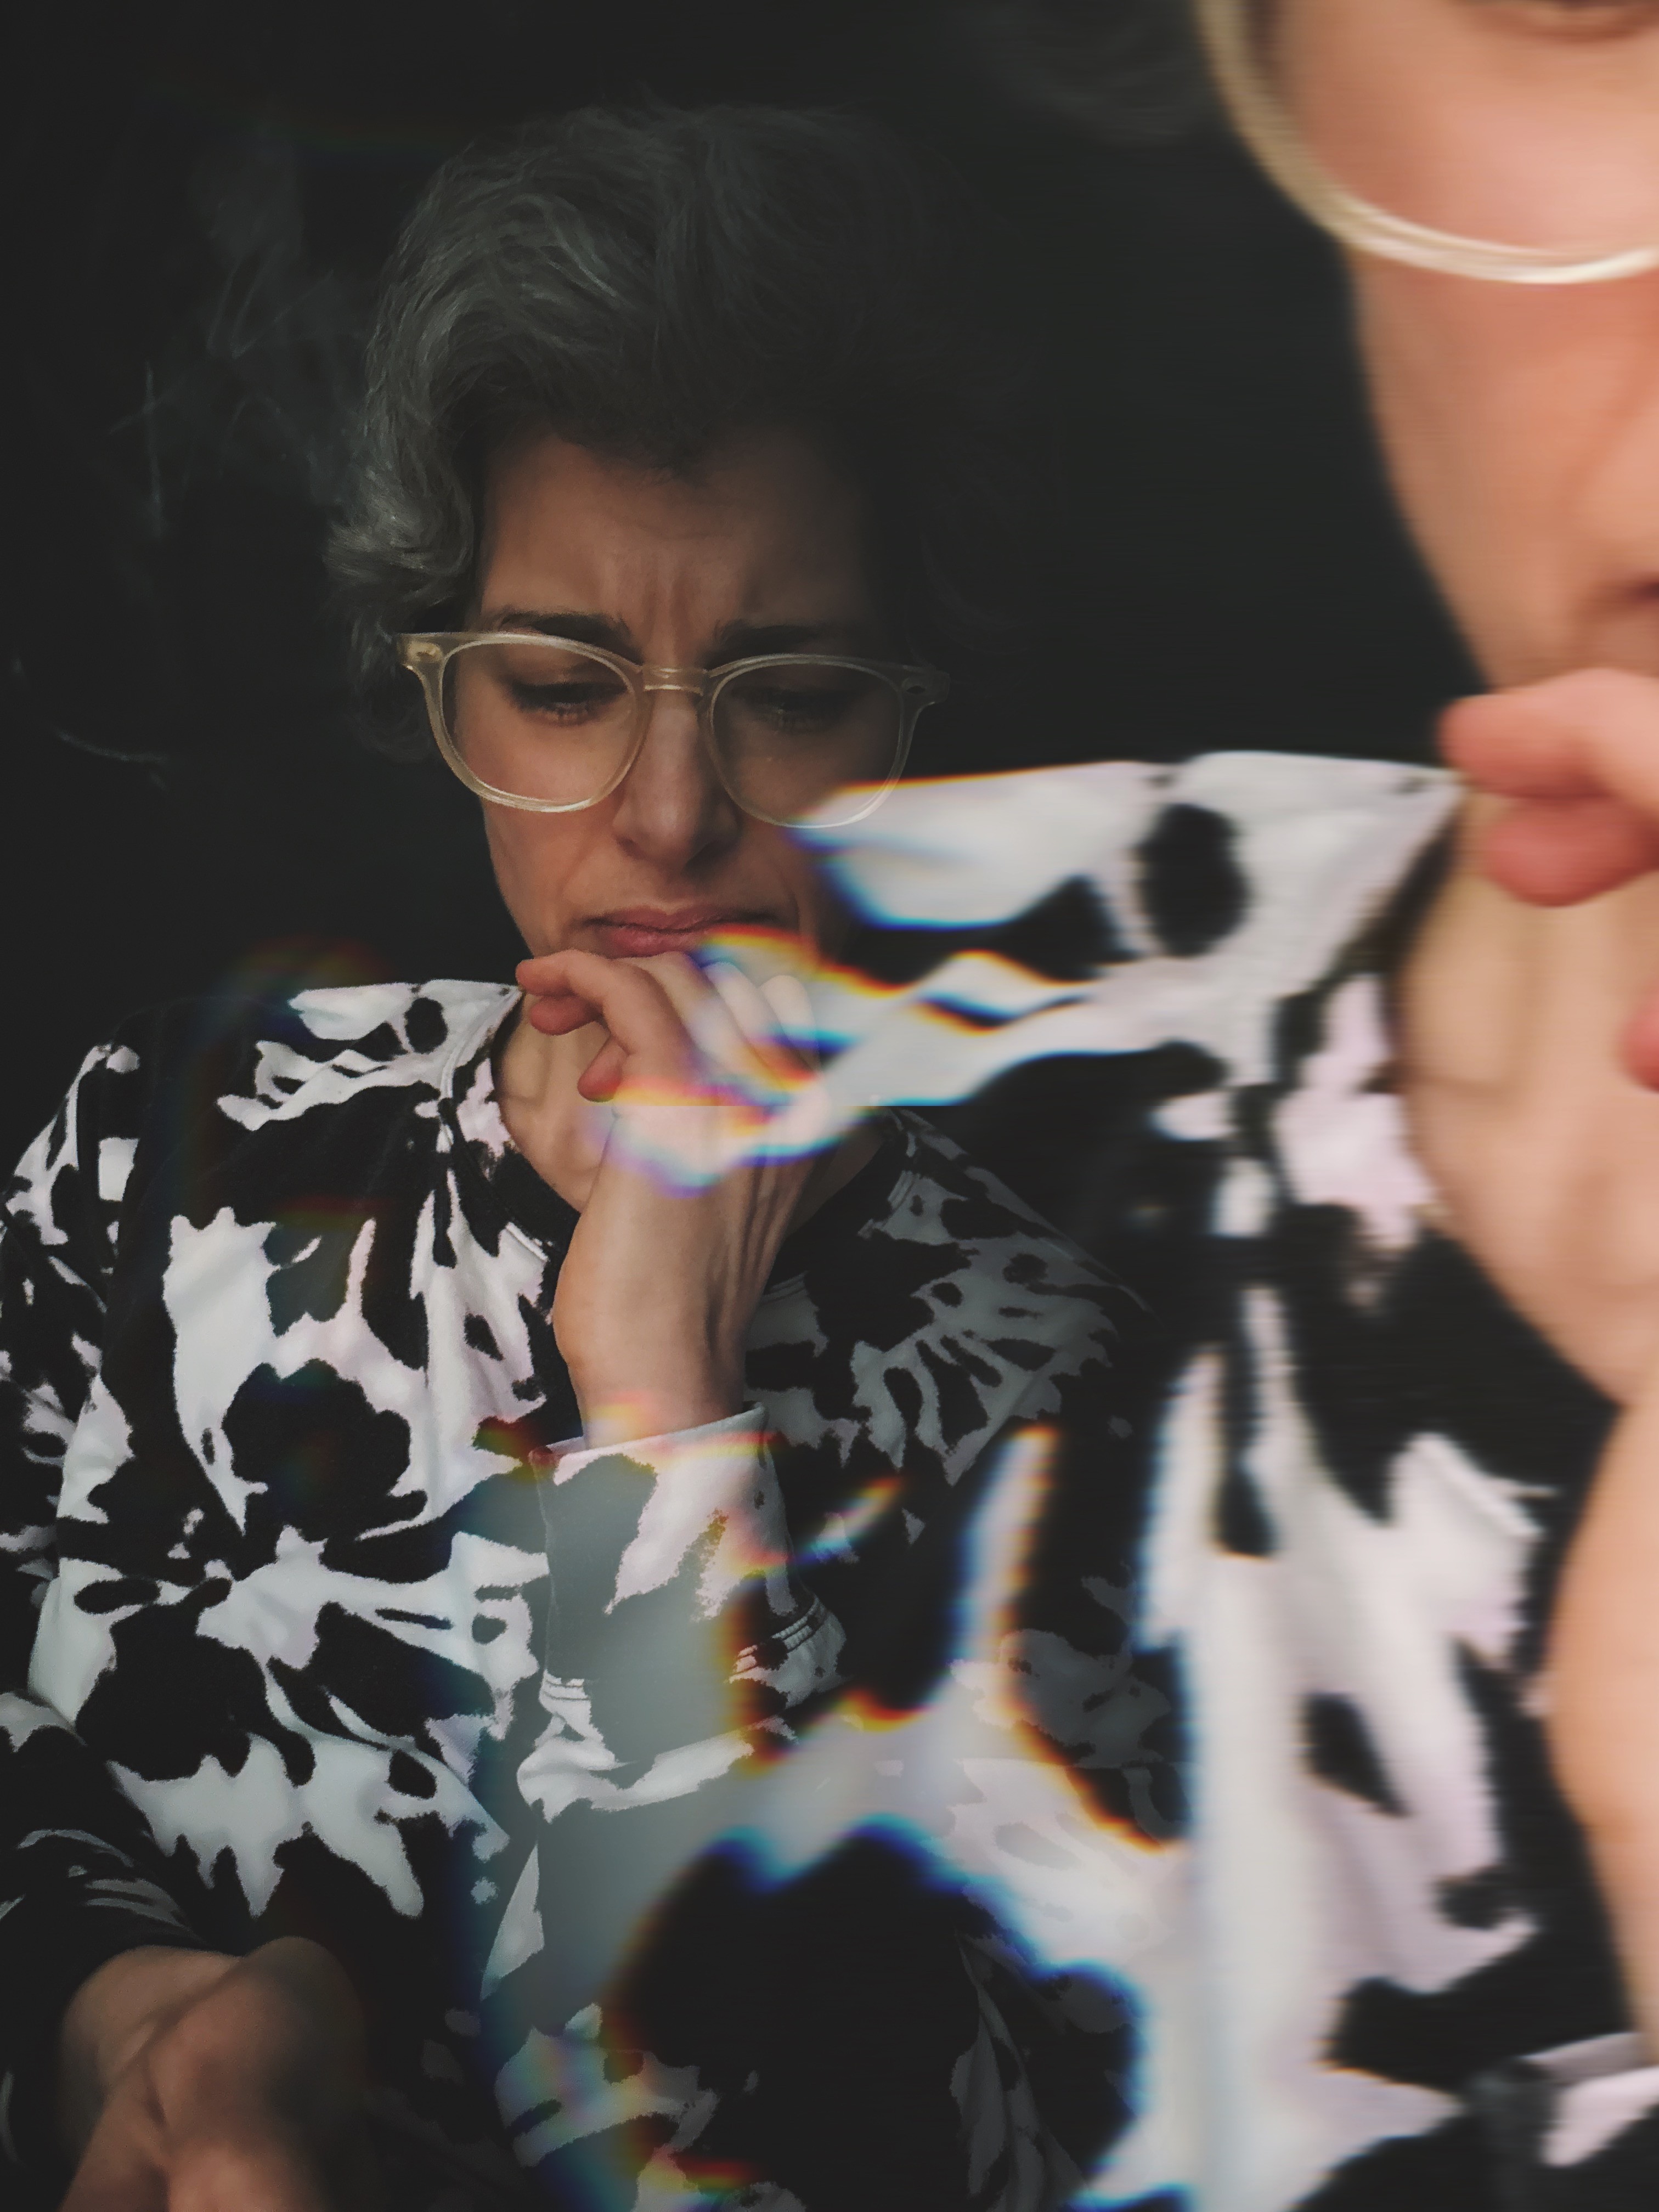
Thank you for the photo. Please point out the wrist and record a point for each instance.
(112, 2015)
(620, 1413)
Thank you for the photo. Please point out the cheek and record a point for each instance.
(826, 921)
(1483, 410)
(533, 860)
(1504, 401)
(810, 896)
(1442, 387)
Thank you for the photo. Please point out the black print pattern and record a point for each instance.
(1389, 1982)
(311, 1628)
(866, 1764)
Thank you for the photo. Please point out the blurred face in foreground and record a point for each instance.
(760, 550)
(1520, 417)
(1494, 167)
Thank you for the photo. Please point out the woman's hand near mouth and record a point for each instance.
(674, 1247)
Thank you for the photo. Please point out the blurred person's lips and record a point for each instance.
(635, 933)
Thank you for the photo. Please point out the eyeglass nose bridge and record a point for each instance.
(694, 682)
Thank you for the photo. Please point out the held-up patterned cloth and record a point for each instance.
(1383, 1979)
(847, 1764)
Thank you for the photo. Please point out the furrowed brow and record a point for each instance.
(581, 627)
(743, 641)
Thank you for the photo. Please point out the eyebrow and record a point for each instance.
(743, 641)
(566, 622)
(733, 640)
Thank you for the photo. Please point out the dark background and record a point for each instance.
(199, 197)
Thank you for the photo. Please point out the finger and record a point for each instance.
(737, 1029)
(792, 1008)
(627, 996)
(714, 1028)
(540, 971)
(1511, 744)
(550, 1004)
(1558, 852)
(755, 1018)
(717, 1005)
(558, 1012)
(1592, 734)
(117, 2173)
(127, 2168)
(726, 1018)
(599, 1081)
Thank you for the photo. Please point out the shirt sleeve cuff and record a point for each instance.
(718, 1476)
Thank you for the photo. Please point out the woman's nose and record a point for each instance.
(672, 809)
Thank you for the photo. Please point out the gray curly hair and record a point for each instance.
(647, 281)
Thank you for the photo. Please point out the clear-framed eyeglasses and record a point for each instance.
(550, 726)
(1516, 141)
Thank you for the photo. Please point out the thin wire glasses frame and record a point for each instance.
(1232, 33)
(427, 655)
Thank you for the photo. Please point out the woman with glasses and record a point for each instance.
(489, 1472)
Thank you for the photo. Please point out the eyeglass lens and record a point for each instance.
(1533, 126)
(548, 721)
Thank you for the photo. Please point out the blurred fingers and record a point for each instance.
(1579, 756)
(224, 2173)
(1558, 852)
(1592, 734)
(115, 2175)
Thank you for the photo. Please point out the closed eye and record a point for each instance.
(575, 701)
(803, 708)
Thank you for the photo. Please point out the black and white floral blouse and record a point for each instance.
(839, 1748)
(311, 1626)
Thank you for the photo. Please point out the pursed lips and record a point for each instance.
(637, 932)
